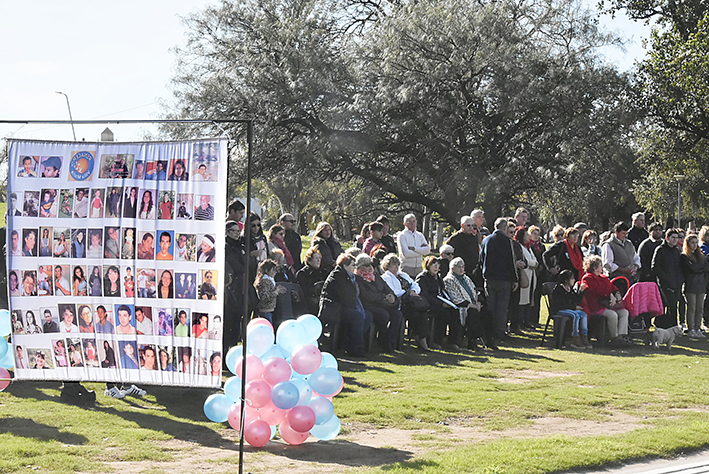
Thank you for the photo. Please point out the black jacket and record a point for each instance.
(558, 254)
(295, 246)
(646, 252)
(329, 250)
(637, 236)
(338, 292)
(666, 267)
(373, 293)
(431, 287)
(466, 246)
(311, 281)
(695, 274)
(561, 299)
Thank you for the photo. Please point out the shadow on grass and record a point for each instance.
(28, 428)
(340, 452)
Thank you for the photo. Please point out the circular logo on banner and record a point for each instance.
(81, 165)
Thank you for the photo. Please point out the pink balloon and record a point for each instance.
(5, 378)
(257, 433)
(290, 436)
(272, 415)
(306, 359)
(276, 370)
(254, 367)
(257, 322)
(234, 415)
(301, 418)
(258, 393)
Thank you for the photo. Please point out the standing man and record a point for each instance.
(479, 216)
(638, 233)
(412, 247)
(236, 211)
(292, 240)
(466, 245)
(499, 273)
(666, 268)
(521, 216)
(619, 255)
(647, 250)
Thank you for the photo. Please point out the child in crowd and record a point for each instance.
(566, 300)
(266, 289)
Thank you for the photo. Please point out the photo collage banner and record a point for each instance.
(115, 257)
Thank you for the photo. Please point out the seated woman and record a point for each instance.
(566, 299)
(340, 304)
(444, 316)
(379, 300)
(465, 296)
(598, 288)
(324, 241)
(311, 279)
(565, 254)
(413, 305)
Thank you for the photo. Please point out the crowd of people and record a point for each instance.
(483, 288)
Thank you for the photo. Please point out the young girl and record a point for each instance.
(266, 289)
(696, 272)
(566, 299)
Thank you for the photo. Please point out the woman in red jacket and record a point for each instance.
(600, 287)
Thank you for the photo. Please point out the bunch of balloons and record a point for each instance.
(5, 350)
(289, 384)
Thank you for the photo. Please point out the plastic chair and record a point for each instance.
(561, 322)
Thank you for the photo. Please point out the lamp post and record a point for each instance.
(679, 178)
(70, 117)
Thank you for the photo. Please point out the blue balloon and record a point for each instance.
(290, 335)
(312, 325)
(273, 432)
(323, 409)
(327, 430)
(216, 407)
(7, 362)
(259, 339)
(303, 389)
(328, 360)
(232, 356)
(275, 351)
(3, 347)
(285, 395)
(325, 381)
(232, 388)
(5, 323)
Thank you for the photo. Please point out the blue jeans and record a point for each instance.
(357, 321)
(579, 319)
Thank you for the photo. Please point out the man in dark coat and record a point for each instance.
(647, 250)
(666, 268)
(465, 244)
(292, 240)
(638, 233)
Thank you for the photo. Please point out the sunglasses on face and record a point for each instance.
(253, 226)
(290, 221)
(446, 253)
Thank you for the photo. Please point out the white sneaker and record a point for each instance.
(684, 327)
(700, 334)
(133, 391)
(114, 393)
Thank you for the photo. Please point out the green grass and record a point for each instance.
(663, 395)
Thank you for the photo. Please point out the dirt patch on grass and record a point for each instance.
(362, 446)
(527, 375)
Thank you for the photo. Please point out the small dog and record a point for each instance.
(665, 336)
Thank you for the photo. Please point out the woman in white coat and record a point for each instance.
(526, 295)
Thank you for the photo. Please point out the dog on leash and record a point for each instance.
(665, 336)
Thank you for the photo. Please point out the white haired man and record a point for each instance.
(466, 244)
(638, 233)
(412, 247)
(479, 216)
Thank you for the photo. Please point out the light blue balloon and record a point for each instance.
(7, 362)
(325, 381)
(285, 395)
(216, 407)
(328, 360)
(327, 430)
(323, 409)
(290, 335)
(232, 388)
(3, 347)
(312, 325)
(5, 323)
(273, 431)
(272, 352)
(232, 356)
(303, 389)
(259, 339)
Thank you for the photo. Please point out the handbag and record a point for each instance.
(418, 302)
(521, 274)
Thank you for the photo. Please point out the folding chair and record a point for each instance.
(561, 322)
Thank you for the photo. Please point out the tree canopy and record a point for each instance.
(447, 104)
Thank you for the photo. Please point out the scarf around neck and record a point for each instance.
(282, 245)
(575, 255)
(367, 275)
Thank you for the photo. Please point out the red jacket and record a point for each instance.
(599, 286)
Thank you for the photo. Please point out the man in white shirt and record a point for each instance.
(142, 324)
(60, 283)
(619, 255)
(412, 247)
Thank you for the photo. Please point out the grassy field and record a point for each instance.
(523, 409)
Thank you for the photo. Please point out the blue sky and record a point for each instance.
(113, 60)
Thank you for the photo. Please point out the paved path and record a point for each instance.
(697, 463)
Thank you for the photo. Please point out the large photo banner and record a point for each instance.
(115, 260)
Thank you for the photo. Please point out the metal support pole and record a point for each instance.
(70, 117)
(247, 245)
(679, 178)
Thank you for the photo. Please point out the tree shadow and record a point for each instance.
(341, 452)
(28, 428)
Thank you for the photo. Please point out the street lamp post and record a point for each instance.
(70, 117)
(679, 178)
